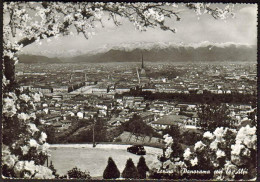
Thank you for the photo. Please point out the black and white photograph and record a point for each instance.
(129, 90)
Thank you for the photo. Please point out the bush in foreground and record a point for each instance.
(130, 170)
(142, 168)
(111, 171)
(78, 174)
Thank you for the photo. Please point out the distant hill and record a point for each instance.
(208, 53)
(30, 59)
(158, 53)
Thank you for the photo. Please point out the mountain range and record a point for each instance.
(30, 59)
(157, 52)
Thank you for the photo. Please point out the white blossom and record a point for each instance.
(5, 82)
(168, 139)
(187, 154)
(246, 152)
(220, 153)
(43, 137)
(46, 110)
(247, 136)
(33, 128)
(36, 97)
(215, 164)
(33, 115)
(23, 116)
(12, 95)
(9, 108)
(219, 133)
(208, 135)
(168, 151)
(25, 167)
(18, 168)
(8, 158)
(25, 149)
(24, 97)
(44, 148)
(214, 145)
(236, 149)
(43, 172)
(194, 161)
(199, 146)
(33, 143)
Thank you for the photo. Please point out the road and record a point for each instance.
(85, 157)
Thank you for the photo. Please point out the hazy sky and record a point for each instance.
(241, 29)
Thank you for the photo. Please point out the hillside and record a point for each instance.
(30, 59)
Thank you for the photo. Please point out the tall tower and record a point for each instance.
(142, 62)
(70, 78)
(142, 72)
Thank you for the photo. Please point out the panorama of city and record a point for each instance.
(138, 110)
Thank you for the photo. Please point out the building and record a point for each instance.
(169, 120)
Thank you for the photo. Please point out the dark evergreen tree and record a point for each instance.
(142, 168)
(130, 170)
(111, 171)
(213, 116)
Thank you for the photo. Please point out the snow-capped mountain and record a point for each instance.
(172, 52)
(161, 51)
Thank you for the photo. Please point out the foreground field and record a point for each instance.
(94, 160)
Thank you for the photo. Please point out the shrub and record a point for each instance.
(78, 174)
(130, 170)
(111, 170)
(142, 168)
(118, 140)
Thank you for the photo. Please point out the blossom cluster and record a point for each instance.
(21, 151)
(245, 143)
(218, 13)
(24, 169)
(224, 149)
(219, 145)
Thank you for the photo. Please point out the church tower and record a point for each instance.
(142, 62)
(142, 73)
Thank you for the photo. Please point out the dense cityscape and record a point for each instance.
(113, 94)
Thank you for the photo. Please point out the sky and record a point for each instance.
(239, 30)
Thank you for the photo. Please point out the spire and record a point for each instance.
(142, 62)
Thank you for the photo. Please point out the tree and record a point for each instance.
(142, 168)
(213, 116)
(78, 174)
(130, 170)
(173, 149)
(111, 171)
(24, 144)
(173, 131)
(137, 126)
(191, 137)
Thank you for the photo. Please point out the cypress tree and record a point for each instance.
(130, 170)
(142, 168)
(111, 170)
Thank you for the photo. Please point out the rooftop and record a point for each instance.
(170, 119)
